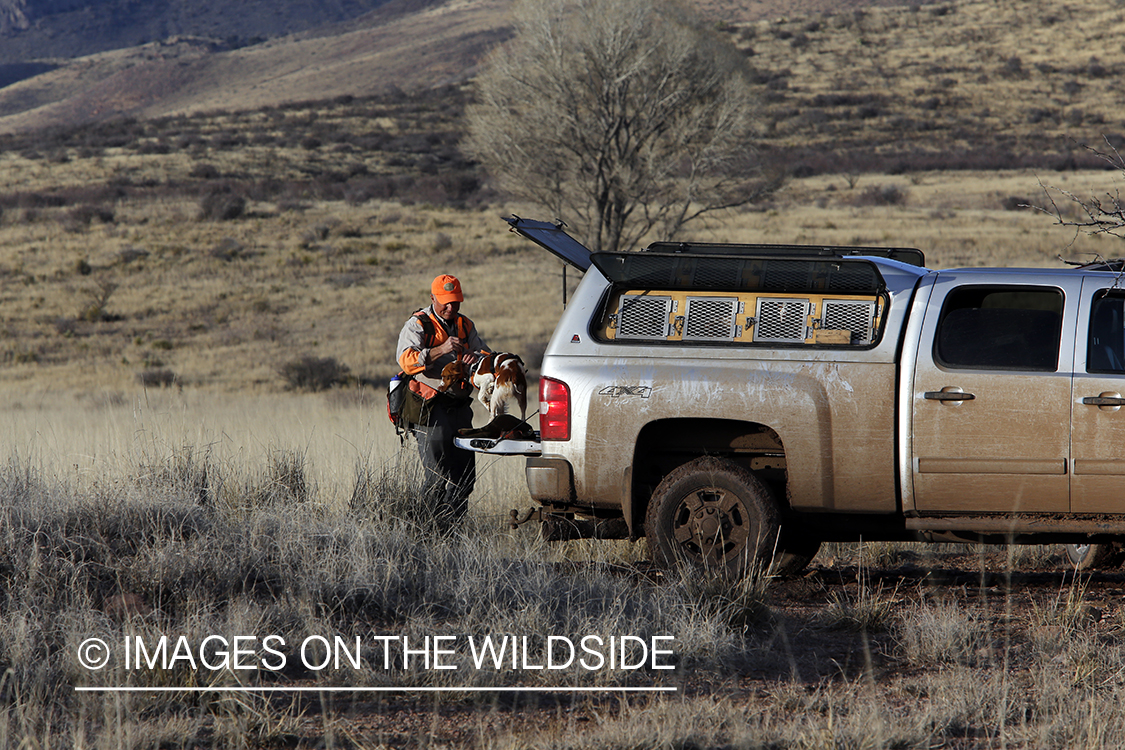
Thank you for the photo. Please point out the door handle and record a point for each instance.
(947, 396)
(1104, 401)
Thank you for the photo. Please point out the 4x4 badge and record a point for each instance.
(614, 391)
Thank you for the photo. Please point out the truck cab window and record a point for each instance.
(1105, 350)
(1000, 328)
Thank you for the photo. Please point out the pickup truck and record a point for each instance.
(738, 405)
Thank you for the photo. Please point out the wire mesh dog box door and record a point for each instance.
(711, 319)
(857, 316)
(781, 320)
(643, 317)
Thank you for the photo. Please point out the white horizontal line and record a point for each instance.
(305, 689)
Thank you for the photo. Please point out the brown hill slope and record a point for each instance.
(75, 28)
(419, 49)
(976, 83)
(973, 84)
(406, 44)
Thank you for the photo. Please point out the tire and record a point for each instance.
(713, 515)
(1094, 556)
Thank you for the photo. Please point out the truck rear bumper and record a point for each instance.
(550, 480)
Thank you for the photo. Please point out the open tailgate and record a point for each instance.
(509, 447)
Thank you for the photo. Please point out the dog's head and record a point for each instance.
(454, 374)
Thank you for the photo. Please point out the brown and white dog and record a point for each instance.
(500, 376)
(453, 374)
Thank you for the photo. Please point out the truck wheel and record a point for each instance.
(1094, 556)
(712, 514)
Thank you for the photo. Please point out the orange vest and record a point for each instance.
(434, 330)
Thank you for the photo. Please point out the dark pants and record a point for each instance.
(450, 473)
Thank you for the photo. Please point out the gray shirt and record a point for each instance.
(413, 336)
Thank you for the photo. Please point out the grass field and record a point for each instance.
(225, 305)
(877, 646)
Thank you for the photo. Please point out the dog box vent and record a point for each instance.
(856, 316)
(643, 317)
(781, 320)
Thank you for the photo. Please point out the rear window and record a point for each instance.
(1105, 350)
(1000, 328)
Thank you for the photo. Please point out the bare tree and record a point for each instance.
(623, 118)
(1103, 214)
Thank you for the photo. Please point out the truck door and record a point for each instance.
(1098, 431)
(991, 397)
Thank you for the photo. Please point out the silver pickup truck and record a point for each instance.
(740, 404)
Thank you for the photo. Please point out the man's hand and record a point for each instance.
(451, 345)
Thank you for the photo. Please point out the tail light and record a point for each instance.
(554, 409)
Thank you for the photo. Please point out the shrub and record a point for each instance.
(66, 326)
(869, 610)
(227, 249)
(314, 373)
(157, 377)
(1012, 67)
(442, 241)
(930, 635)
(80, 217)
(221, 204)
(882, 195)
(204, 171)
(393, 491)
(153, 147)
(285, 481)
(99, 297)
(131, 254)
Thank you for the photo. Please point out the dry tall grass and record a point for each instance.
(155, 537)
(333, 437)
(190, 517)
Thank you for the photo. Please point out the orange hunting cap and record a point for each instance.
(446, 289)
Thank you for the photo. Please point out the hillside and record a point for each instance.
(75, 62)
(407, 46)
(976, 84)
(845, 86)
(74, 28)
(66, 29)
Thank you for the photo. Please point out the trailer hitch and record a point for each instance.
(533, 514)
(559, 526)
